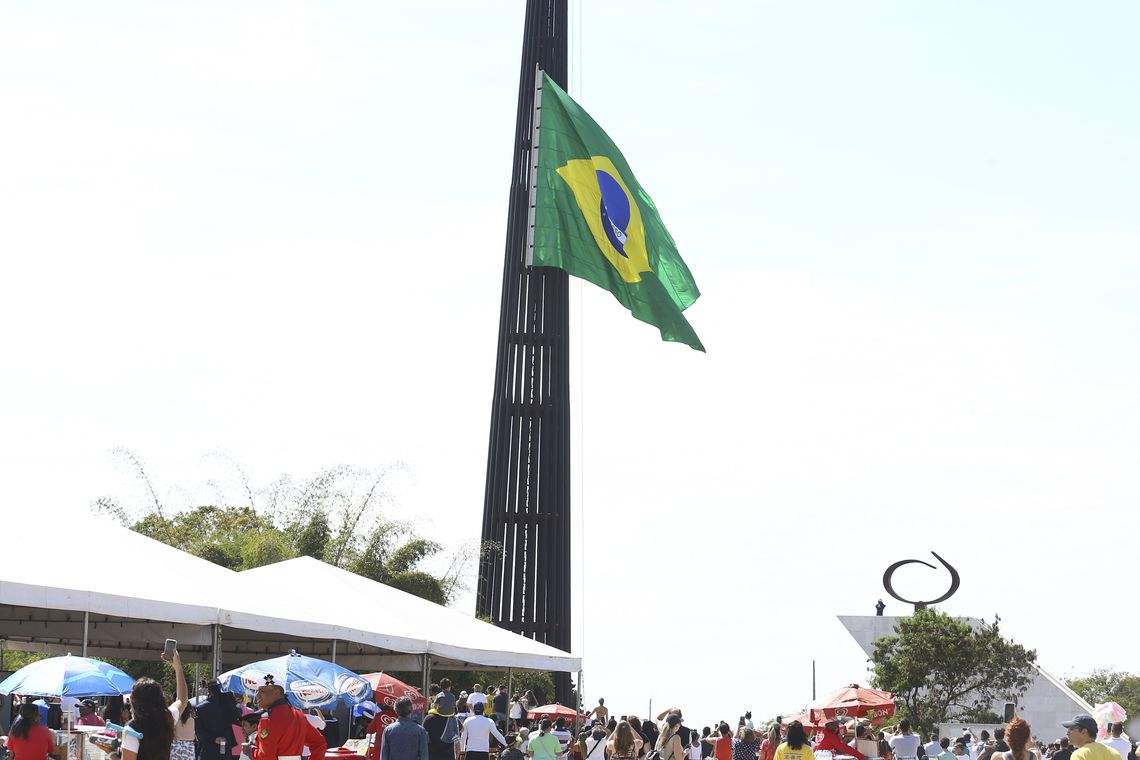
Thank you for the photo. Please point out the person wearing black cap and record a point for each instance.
(683, 731)
(87, 714)
(1082, 734)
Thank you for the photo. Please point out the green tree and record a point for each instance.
(1104, 685)
(335, 516)
(942, 669)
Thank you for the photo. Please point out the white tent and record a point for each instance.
(367, 612)
(100, 589)
(96, 587)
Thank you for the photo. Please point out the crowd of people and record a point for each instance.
(473, 726)
(148, 726)
(479, 725)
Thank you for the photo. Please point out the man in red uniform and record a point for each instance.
(830, 740)
(284, 730)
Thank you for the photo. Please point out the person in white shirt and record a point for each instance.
(560, 733)
(933, 747)
(1116, 741)
(475, 740)
(905, 744)
(476, 697)
(318, 722)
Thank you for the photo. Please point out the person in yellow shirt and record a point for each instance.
(796, 746)
(1082, 735)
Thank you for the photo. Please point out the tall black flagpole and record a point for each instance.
(524, 568)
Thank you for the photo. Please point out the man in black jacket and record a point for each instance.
(214, 723)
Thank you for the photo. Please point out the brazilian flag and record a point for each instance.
(593, 219)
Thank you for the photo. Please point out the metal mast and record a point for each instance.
(524, 567)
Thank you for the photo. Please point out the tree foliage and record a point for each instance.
(943, 669)
(336, 516)
(1104, 685)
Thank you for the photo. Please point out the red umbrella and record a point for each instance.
(386, 690)
(807, 722)
(553, 711)
(854, 701)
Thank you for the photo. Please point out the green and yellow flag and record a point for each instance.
(593, 219)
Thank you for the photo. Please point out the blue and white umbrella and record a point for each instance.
(68, 676)
(307, 681)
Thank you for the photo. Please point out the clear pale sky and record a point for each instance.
(276, 230)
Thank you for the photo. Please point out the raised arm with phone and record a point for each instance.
(183, 747)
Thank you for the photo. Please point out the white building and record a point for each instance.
(1046, 703)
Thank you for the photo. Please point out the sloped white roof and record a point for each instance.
(368, 612)
(92, 565)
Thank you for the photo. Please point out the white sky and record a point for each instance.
(276, 230)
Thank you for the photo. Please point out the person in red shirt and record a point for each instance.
(829, 740)
(28, 740)
(284, 730)
(375, 729)
(722, 745)
(87, 714)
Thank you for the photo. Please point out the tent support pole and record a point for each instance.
(334, 652)
(511, 681)
(427, 676)
(578, 691)
(86, 628)
(216, 654)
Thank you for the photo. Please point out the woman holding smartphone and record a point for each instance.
(184, 746)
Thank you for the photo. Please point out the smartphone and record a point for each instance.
(168, 650)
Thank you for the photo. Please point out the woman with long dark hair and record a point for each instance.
(152, 719)
(116, 710)
(28, 740)
(795, 747)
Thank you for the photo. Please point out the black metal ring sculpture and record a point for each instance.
(955, 581)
